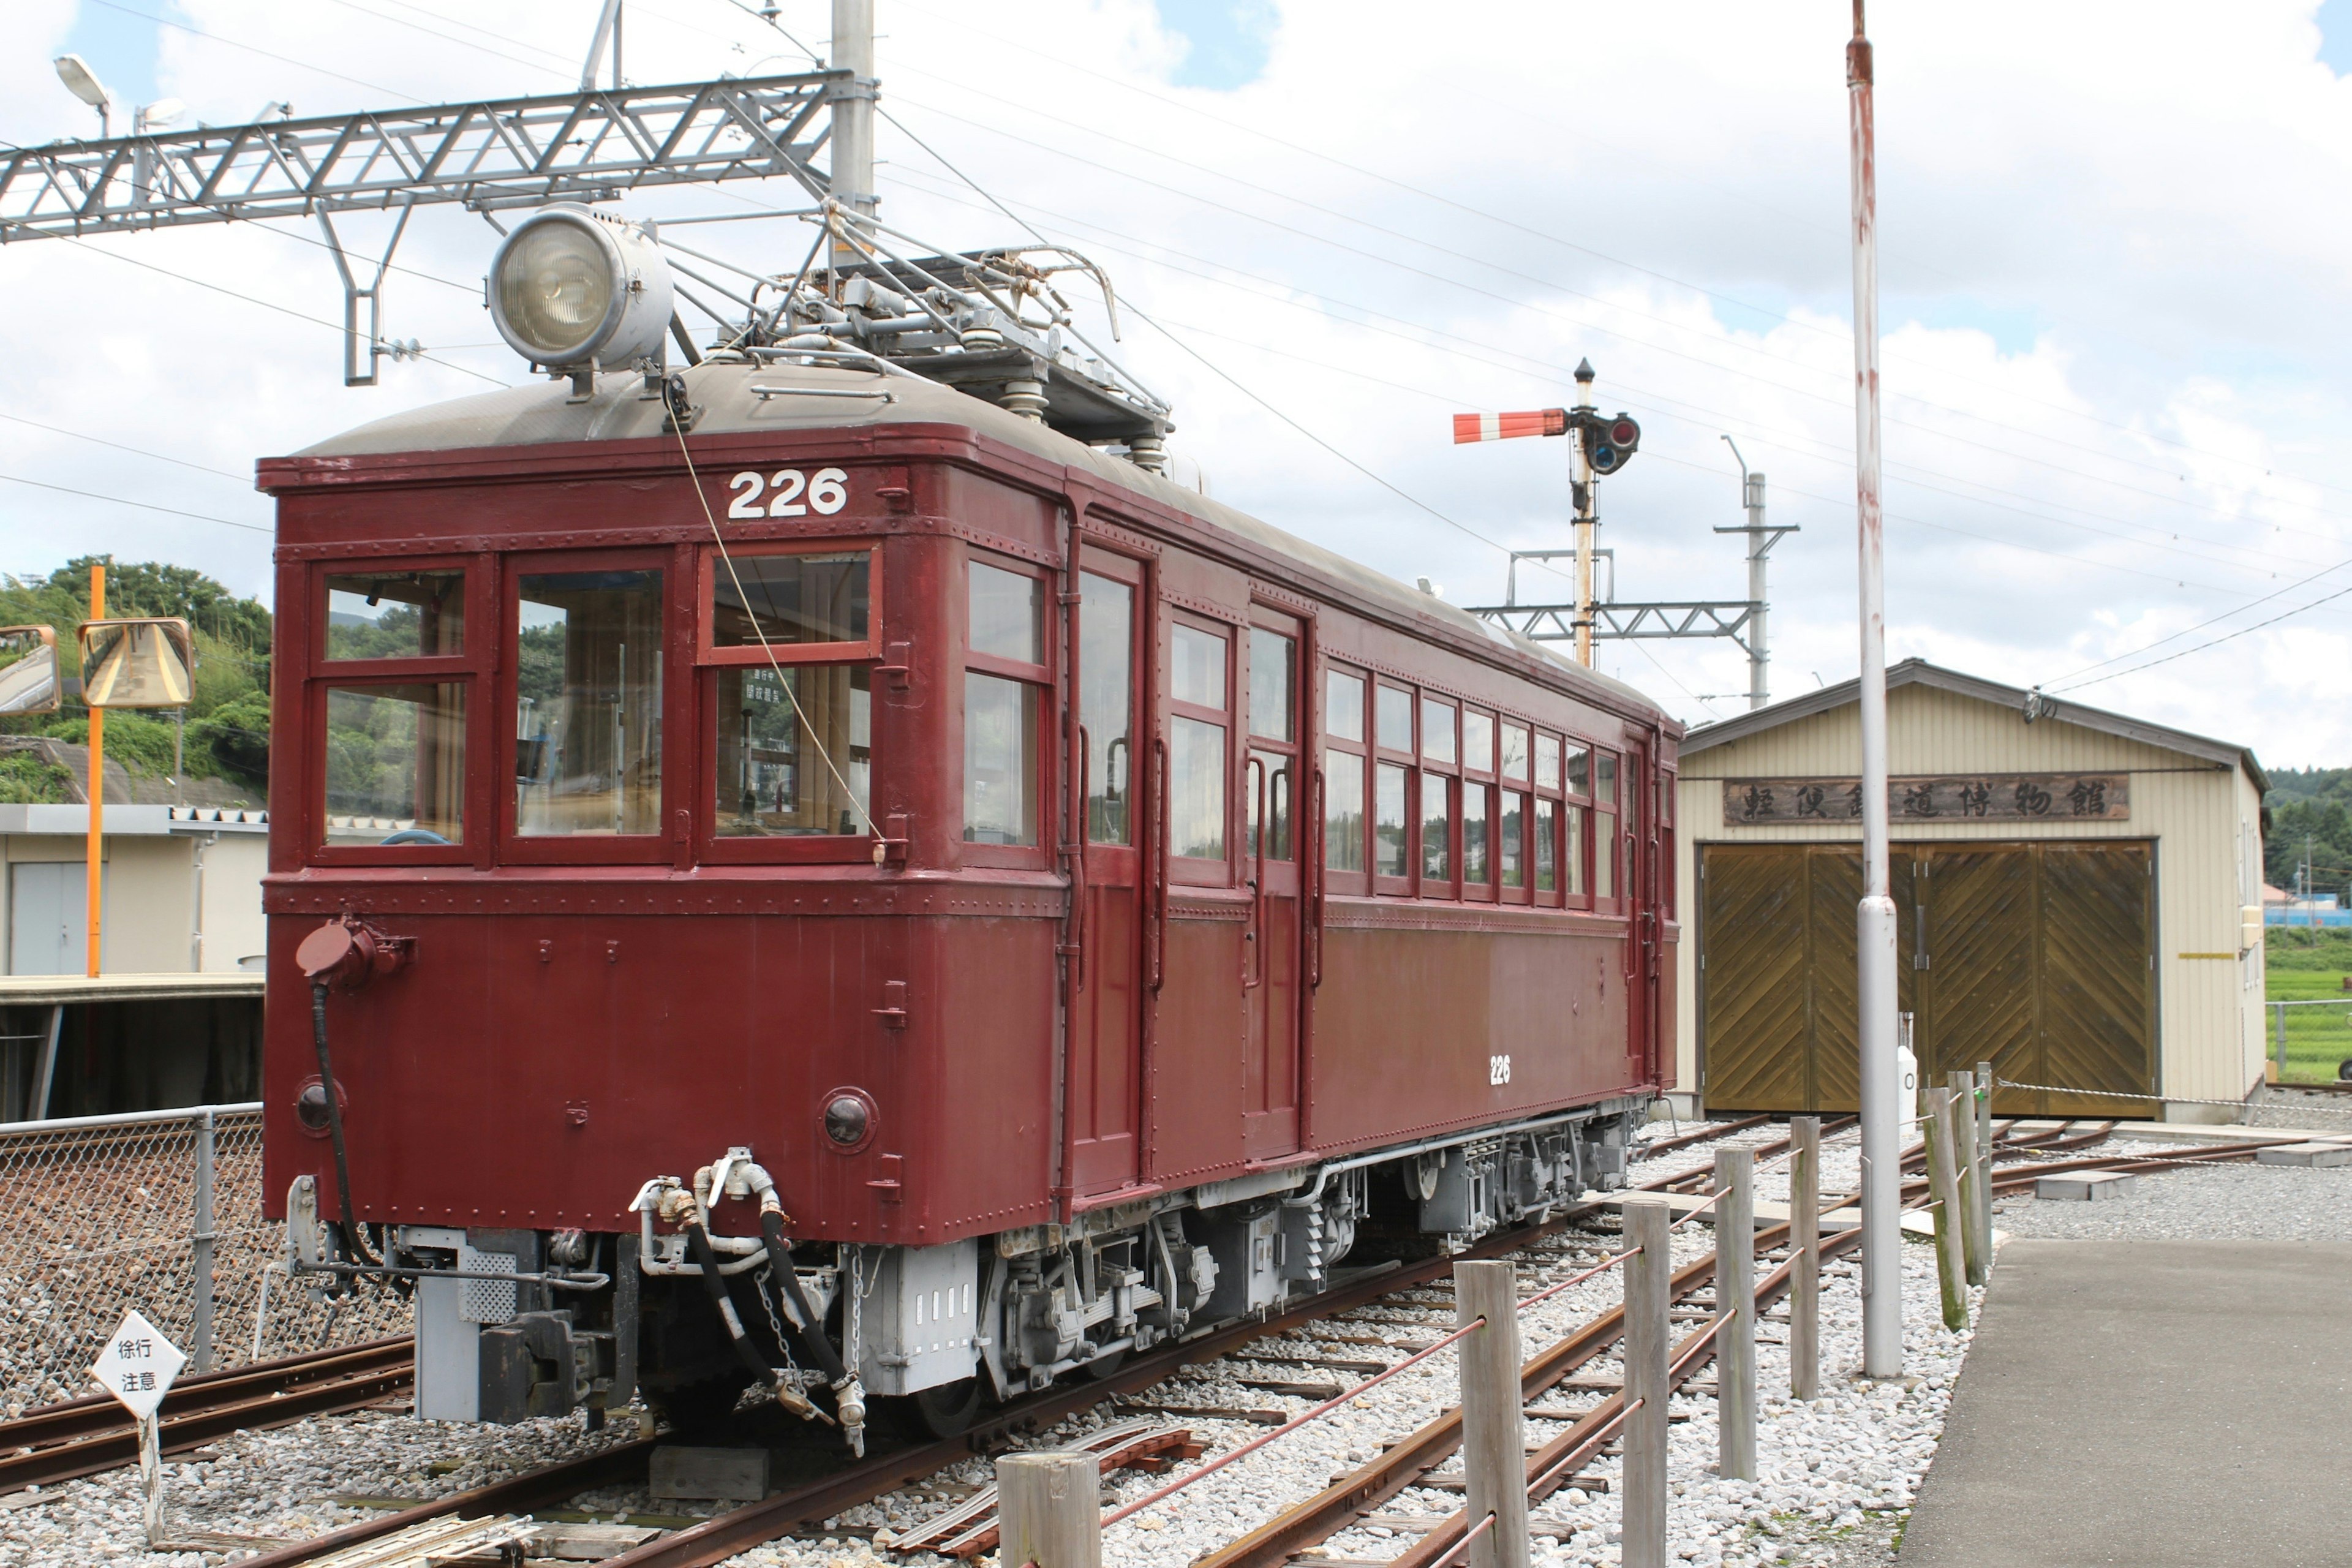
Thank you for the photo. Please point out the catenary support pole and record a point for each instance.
(1049, 1511)
(1735, 1311)
(94, 852)
(1944, 1189)
(853, 106)
(1882, 1238)
(200, 1262)
(1805, 1257)
(1493, 1433)
(1649, 1293)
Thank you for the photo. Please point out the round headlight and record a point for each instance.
(555, 286)
(570, 288)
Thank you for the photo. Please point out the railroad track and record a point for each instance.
(507, 1505)
(84, 1437)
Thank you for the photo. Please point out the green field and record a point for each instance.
(2310, 966)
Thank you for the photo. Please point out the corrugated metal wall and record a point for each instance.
(2204, 817)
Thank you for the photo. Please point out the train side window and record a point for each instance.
(1477, 804)
(1199, 724)
(1514, 753)
(1273, 730)
(1436, 730)
(1396, 721)
(1344, 765)
(1548, 763)
(1436, 834)
(1389, 809)
(1604, 826)
(1106, 705)
(1580, 771)
(1510, 844)
(1546, 842)
(395, 614)
(588, 704)
(1548, 849)
(1004, 705)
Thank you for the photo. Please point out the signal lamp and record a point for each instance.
(571, 289)
(145, 663)
(1610, 443)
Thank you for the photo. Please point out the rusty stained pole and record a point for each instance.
(1882, 1130)
(1587, 517)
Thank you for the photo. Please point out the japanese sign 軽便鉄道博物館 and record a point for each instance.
(1959, 797)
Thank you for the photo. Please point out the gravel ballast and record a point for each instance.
(1838, 1474)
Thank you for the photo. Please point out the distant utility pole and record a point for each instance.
(1761, 541)
(1882, 1130)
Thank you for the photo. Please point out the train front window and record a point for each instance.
(396, 763)
(395, 615)
(588, 718)
(1106, 698)
(791, 602)
(796, 750)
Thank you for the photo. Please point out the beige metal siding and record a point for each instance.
(2200, 813)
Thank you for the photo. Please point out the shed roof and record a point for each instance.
(1919, 672)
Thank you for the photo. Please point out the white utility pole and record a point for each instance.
(1581, 492)
(1761, 541)
(1881, 1239)
(852, 105)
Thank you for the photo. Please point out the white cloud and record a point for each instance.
(2114, 287)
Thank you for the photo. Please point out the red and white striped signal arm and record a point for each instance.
(1503, 427)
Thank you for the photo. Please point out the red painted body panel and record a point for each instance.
(567, 1031)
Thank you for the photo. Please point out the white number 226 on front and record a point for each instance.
(792, 493)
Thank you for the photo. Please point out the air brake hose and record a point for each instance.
(705, 1258)
(780, 1264)
(350, 1221)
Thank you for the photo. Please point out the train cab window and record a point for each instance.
(395, 615)
(1198, 723)
(793, 604)
(1274, 732)
(395, 770)
(588, 703)
(1344, 825)
(1106, 705)
(1003, 697)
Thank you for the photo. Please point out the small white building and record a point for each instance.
(174, 1016)
(2079, 895)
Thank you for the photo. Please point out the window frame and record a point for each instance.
(678, 694)
(1555, 897)
(1349, 883)
(1286, 625)
(1406, 885)
(1131, 574)
(471, 669)
(707, 654)
(1044, 676)
(1193, 871)
(1424, 768)
(1483, 780)
(1618, 900)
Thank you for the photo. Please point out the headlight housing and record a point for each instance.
(573, 290)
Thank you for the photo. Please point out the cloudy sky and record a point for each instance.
(2116, 302)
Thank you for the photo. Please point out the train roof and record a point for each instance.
(543, 412)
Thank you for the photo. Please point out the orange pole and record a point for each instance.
(94, 894)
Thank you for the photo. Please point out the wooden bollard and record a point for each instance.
(1967, 1170)
(1951, 1269)
(1049, 1511)
(1494, 1431)
(1805, 1257)
(1735, 1314)
(1649, 1293)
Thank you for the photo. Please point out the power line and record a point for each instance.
(141, 451)
(147, 505)
(2200, 647)
(251, 49)
(2201, 626)
(1029, 49)
(1700, 361)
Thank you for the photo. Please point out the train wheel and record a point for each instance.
(948, 1410)
(1102, 1366)
(699, 1407)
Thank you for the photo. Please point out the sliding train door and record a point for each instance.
(1275, 943)
(1106, 1088)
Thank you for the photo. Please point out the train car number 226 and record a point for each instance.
(790, 493)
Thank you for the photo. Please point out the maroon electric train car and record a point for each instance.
(911, 907)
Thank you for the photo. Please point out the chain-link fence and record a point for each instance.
(160, 1211)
